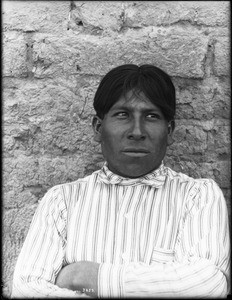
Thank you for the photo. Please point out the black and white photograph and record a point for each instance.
(116, 149)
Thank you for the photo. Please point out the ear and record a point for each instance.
(96, 125)
(171, 127)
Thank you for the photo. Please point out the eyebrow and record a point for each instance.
(124, 107)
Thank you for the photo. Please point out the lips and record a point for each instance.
(135, 152)
(140, 150)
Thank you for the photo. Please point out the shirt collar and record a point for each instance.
(155, 179)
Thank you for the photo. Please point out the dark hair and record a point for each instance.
(152, 81)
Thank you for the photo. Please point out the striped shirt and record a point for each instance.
(162, 235)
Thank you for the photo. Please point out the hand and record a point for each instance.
(81, 276)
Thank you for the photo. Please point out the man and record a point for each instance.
(135, 228)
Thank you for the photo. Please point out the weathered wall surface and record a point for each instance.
(54, 55)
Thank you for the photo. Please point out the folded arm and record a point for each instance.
(42, 254)
(81, 276)
(200, 266)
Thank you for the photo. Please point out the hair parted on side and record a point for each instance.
(153, 82)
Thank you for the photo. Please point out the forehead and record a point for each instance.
(135, 100)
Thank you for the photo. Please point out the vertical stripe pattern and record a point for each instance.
(163, 236)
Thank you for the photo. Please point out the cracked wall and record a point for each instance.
(54, 55)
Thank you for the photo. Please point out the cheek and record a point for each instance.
(111, 133)
(159, 134)
(109, 140)
(160, 141)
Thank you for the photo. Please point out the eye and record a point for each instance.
(153, 116)
(121, 115)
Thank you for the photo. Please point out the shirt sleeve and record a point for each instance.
(42, 254)
(200, 267)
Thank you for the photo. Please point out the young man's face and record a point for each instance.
(134, 136)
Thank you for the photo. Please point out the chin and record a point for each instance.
(133, 167)
(135, 173)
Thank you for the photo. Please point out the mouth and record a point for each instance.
(135, 152)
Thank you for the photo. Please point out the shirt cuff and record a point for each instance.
(110, 281)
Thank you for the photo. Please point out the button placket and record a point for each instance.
(123, 197)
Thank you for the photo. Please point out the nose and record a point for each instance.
(136, 131)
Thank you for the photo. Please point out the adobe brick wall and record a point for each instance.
(54, 55)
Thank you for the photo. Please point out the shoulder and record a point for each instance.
(65, 193)
(185, 179)
(203, 187)
(77, 184)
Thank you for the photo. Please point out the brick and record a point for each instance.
(160, 13)
(202, 100)
(222, 99)
(227, 195)
(16, 224)
(44, 117)
(14, 55)
(20, 171)
(187, 135)
(28, 178)
(95, 17)
(218, 171)
(199, 141)
(222, 56)
(179, 52)
(219, 140)
(17, 197)
(32, 16)
(54, 171)
(211, 13)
